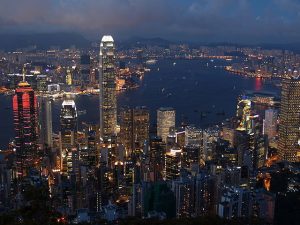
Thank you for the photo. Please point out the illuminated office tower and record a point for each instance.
(25, 125)
(193, 136)
(243, 114)
(173, 163)
(68, 131)
(210, 136)
(69, 77)
(41, 82)
(180, 137)
(191, 156)
(289, 126)
(165, 121)
(134, 128)
(270, 123)
(107, 79)
(45, 121)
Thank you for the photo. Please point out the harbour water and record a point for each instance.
(200, 90)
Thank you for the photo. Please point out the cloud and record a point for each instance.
(199, 20)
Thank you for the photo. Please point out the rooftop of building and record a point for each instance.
(107, 38)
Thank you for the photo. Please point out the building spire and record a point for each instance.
(24, 75)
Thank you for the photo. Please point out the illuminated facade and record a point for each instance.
(69, 77)
(182, 189)
(165, 121)
(68, 132)
(243, 114)
(173, 163)
(270, 123)
(107, 79)
(45, 121)
(134, 128)
(289, 126)
(25, 125)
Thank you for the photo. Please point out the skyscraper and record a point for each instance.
(25, 124)
(165, 121)
(289, 126)
(270, 123)
(45, 121)
(107, 79)
(243, 114)
(68, 131)
(183, 190)
(134, 128)
(173, 163)
(193, 136)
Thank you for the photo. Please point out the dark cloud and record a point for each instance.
(197, 20)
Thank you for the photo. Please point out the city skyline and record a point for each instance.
(150, 131)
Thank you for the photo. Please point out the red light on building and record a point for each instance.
(25, 124)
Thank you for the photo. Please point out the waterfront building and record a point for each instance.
(25, 126)
(165, 121)
(85, 69)
(289, 126)
(41, 82)
(107, 79)
(210, 136)
(45, 121)
(243, 114)
(69, 79)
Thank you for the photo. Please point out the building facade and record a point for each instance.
(165, 121)
(107, 79)
(25, 125)
(289, 126)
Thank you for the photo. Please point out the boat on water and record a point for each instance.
(151, 61)
(174, 63)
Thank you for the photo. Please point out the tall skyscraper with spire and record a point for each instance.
(289, 125)
(67, 134)
(107, 78)
(25, 125)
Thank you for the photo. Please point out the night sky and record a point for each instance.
(243, 21)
